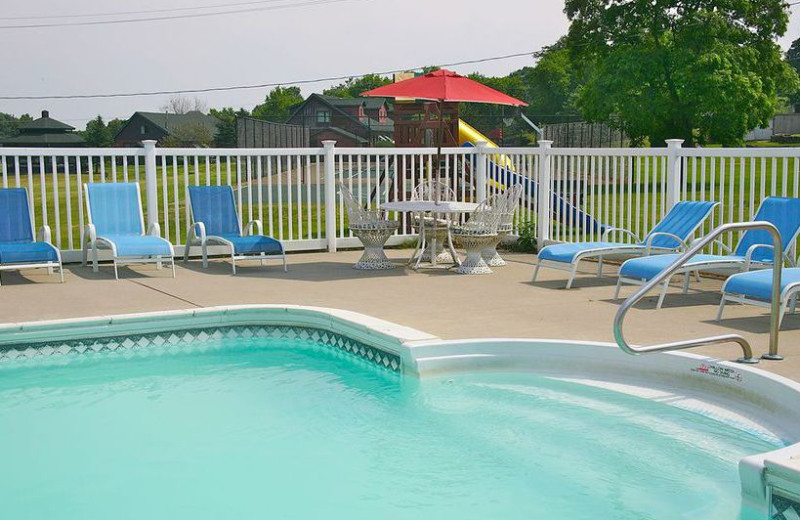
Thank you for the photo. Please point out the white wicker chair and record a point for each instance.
(478, 233)
(434, 228)
(372, 228)
(510, 199)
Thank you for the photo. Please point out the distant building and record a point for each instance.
(352, 122)
(158, 126)
(45, 132)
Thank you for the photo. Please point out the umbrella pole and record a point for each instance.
(439, 149)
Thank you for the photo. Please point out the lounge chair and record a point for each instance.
(18, 249)
(755, 288)
(116, 222)
(753, 250)
(671, 234)
(215, 222)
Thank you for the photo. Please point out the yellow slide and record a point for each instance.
(468, 135)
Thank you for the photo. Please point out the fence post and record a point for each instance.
(150, 185)
(545, 197)
(673, 172)
(480, 170)
(330, 194)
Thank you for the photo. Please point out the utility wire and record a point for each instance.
(147, 11)
(309, 3)
(261, 85)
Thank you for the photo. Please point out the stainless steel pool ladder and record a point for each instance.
(711, 340)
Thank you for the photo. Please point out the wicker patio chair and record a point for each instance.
(372, 228)
(479, 233)
(436, 225)
(510, 199)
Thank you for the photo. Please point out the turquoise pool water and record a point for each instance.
(292, 430)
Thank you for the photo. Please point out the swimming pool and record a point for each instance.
(243, 421)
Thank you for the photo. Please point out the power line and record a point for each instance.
(261, 85)
(309, 3)
(147, 11)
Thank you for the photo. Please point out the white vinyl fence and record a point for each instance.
(569, 194)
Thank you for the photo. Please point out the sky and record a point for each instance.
(270, 41)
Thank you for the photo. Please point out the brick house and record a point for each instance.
(352, 122)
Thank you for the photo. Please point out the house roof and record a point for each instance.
(44, 123)
(341, 132)
(368, 103)
(167, 121)
(47, 138)
(371, 124)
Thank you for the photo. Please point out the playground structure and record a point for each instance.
(417, 124)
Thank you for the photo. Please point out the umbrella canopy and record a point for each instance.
(444, 86)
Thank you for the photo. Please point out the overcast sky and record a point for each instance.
(308, 41)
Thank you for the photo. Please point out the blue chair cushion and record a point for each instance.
(253, 244)
(139, 245)
(648, 267)
(758, 284)
(27, 253)
(566, 253)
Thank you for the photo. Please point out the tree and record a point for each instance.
(226, 129)
(793, 57)
(114, 126)
(276, 105)
(8, 125)
(700, 70)
(182, 105)
(353, 87)
(189, 135)
(97, 134)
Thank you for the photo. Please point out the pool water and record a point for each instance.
(293, 430)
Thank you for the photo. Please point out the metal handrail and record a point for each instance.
(726, 338)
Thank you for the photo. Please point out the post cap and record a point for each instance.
(674, 143)
(545, 143)
(328, 143)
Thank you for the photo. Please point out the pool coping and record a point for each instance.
(731, 386)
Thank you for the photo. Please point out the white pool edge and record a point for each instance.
(710, 384)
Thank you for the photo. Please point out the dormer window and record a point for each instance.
(323, 116)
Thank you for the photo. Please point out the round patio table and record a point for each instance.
(430, 206)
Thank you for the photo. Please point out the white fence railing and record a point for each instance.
(569, 194)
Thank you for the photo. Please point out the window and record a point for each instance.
(143, 129)
(323, 116)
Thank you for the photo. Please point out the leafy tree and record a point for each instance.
(353, 87)
(793, 57)
(8, 125)
(226, 129)
(700, 70)
(97, 134)
(114, 126)
(189, 135)
(276, 106)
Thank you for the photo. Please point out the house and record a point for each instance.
(351, 122)
(45, 132)
(195, 127)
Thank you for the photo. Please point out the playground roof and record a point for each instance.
(445, 85)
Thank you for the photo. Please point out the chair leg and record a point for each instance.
(285, 267)
(116, 272)
(536, 271)
(452, 248)
(173, 267)
(61, 272)
(572, 275)
(233, 262)
(697, 276)
(720, 309)
(84, 253)
(599, 266)
(204, 250)
(686, 278)
(95, 267)
(186, 251)
(663, 294)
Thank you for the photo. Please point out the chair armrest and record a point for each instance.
(198, 229)
(248, 229)
(724, 247)
(651, 236)
(44, 234)
(90, 233)
(610, 230)
(749, 255)
(154, 229)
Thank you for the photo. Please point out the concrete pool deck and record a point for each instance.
(505, 304)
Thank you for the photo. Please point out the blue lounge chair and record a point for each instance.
(216, 223)
(116, 222)
(755, 288)
(753, 250)
(670, 235)
(18, 249)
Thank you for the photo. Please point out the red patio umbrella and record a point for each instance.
(444, 86)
